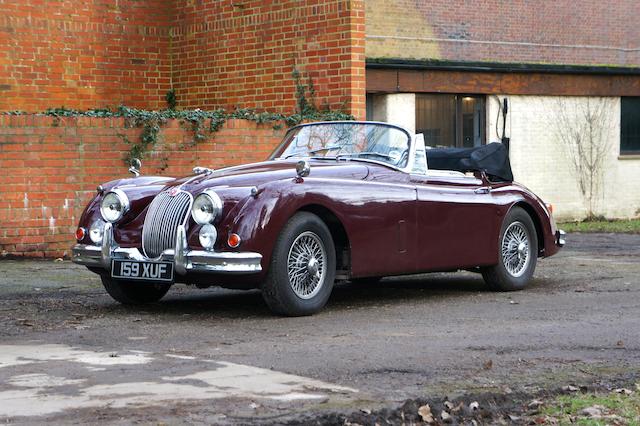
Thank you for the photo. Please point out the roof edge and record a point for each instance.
(503, 67)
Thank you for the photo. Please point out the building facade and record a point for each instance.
(568, 73)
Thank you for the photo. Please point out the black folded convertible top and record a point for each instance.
(493, 159)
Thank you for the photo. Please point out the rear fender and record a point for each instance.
(535, 207)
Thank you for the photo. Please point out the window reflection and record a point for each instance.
(450, 120)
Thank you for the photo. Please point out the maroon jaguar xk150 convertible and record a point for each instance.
(335, 201)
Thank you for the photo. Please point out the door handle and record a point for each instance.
(483, 190)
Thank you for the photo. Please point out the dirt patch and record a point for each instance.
(485, 408)
(400, 343)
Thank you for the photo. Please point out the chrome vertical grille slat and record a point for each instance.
(166, 212)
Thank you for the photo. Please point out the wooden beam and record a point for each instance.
(513, 83)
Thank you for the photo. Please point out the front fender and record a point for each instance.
(378, 218)
(139, 190)
(259, 219)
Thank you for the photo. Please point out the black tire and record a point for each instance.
(132, 292)
(278, 290)
(516, 276)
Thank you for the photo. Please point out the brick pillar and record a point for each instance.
(357, 87)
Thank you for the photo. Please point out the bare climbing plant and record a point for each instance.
(584, 126)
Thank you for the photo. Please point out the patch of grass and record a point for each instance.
(617, 408)
(631, 226)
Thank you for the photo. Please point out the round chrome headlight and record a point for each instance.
(114, 205)
(96, 231)
(208, 236)
(206, 207)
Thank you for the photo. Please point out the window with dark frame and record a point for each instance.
(369, 107)
(448, 120)
(630, 125)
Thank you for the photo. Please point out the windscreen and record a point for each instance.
(372, 141)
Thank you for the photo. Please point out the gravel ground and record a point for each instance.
(68, 353)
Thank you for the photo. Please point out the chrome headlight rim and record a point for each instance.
(207, 236)
(124, 202)
(96, 231)
(214, 203)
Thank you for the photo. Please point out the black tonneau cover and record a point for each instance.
(492, 158)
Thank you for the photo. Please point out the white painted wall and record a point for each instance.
(396, 108)
(540, 162)
(538, 158)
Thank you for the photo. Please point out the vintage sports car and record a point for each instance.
(335, 201)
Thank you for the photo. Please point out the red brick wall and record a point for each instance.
(51, 169)
(83, 54)
(215, 53)
(229, 53)
(592, 32)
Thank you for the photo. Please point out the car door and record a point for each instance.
(382, 223)
(457, 221)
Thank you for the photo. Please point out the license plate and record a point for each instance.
(149, 271)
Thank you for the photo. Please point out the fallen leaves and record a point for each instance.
(535, 404)
(623, 391)
(570, 388)
(445, 417)
(425, 414)
(593, 411)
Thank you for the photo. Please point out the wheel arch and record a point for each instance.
(537, 223)
(338, 233)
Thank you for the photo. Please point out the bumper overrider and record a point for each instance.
(185, 261)
(560, 238)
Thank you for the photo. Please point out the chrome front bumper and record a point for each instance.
(560, 238)
(185, 260)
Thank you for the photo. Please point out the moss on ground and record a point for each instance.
(613, 408)
(631, 226)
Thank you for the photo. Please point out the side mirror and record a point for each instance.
(136, 165)
(303, 168)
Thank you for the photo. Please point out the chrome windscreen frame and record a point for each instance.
(412, 148)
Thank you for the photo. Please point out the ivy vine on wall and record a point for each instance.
(151, 122)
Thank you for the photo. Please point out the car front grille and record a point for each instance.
(166, 212)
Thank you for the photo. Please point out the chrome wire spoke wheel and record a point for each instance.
(516, 249)
(307, 265)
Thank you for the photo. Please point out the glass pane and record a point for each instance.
(471, 121)
(436, 119)
(374, 142)
(630, 125)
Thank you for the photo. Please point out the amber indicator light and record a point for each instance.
(233, 240)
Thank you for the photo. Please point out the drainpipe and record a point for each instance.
(505, 110)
